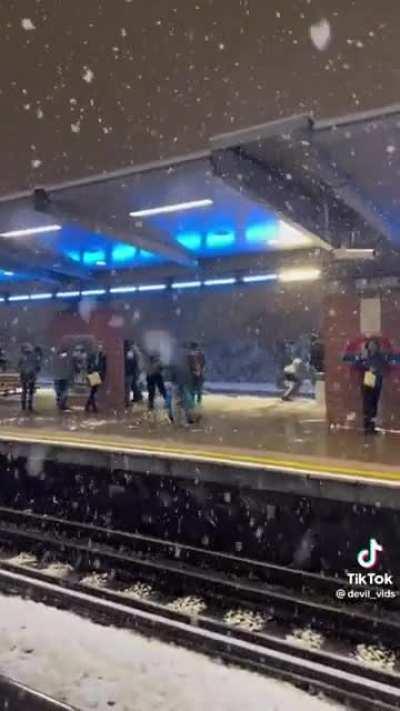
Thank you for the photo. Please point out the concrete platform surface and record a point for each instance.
(257, 431)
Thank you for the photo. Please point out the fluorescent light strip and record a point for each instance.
(31, 231)
(186, 284)
(8, 273)
(299, 275)
(152, 287)
(253, 279)
(67, 294)
(93, 292)
(178, 207)
(19, 297)
(2, 299)
(123, 289)
(220, 282)
(36, 297)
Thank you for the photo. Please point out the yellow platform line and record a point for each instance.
(308, 468)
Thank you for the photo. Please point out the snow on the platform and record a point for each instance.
(94, 667)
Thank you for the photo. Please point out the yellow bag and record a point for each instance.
(94, 379)
(369, 379)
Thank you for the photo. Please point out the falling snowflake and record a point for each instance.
(39, 113)
(88, 75)
(75, 127)
(320, 34)
(27, 24)
(36, 163)
(390, 149)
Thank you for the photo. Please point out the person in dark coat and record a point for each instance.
(155, 379)
(197, 364)
(97, 366)
(28, 368)
(373, 363)
(132, 372)
(3, 360)
(62, 373)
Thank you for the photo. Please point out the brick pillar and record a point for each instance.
(105, 327)
(342, 383)
(390, 406)
(342, 324)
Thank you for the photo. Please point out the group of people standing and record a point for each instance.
(185, 373)
(142, 370)
(30, 366)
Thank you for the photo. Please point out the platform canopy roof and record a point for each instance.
(291, 184)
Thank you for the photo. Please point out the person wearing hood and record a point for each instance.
(197, 364)
(62, 371)
(96, 373)
(28, 368)
(295, 373)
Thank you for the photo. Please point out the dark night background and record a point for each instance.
(167, 75)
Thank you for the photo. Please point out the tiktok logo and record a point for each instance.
(368, 557)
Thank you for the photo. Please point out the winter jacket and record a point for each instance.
(28, 364)
(62, 366)
(197, 362)
(97, 363)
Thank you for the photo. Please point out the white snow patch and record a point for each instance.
(95, 667)
(320, 34)
(27, 24)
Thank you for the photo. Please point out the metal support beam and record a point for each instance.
(349, 194)
(24, 265)
(252, 179)
(148, 238)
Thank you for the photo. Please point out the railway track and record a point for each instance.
(247, 612)
(17, 697)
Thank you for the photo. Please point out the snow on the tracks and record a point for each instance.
(94, 667)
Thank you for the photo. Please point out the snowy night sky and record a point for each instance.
(92, 85)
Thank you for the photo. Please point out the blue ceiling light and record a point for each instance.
(189, 240)
(255, 278)
(67, 294)
(94, 257)
(74, 255)
(37, 297)
(123, 289)
(123, 253)
(144, 254)
(19, 297)
(224, 281)
(219, 239)
(186, 284)
(152, 287)
(262, 231)
(93, 292)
